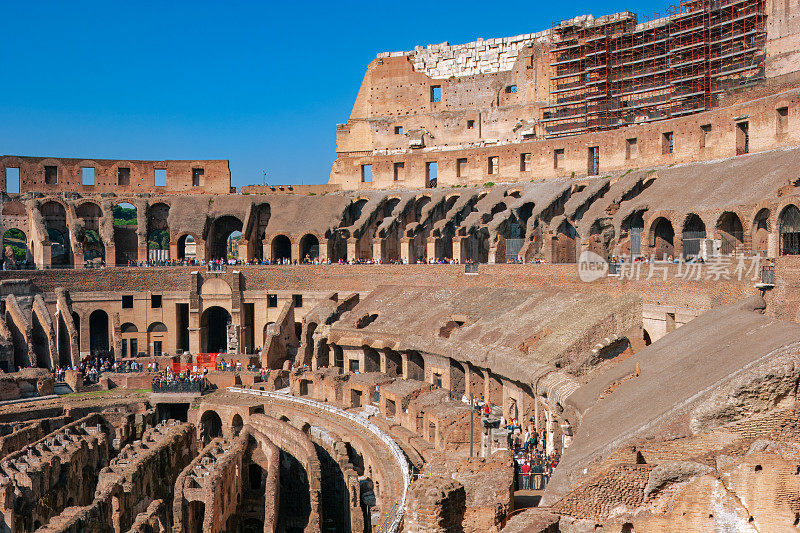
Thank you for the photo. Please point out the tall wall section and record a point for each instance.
(709, 80)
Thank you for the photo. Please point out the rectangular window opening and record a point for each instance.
(558, 158)
(123, 176)
(398, 130)
(272, 300)
(494, 165)
(50, 175)
(127, 301)
(87, 176)
(631, 148)
(12, 180)
(461, 167)
(155, 301)
(782, 126)
(511, 89)
(298, 300)
(399, 171)
(667, 143)
(160, 177)
(436, 93)
(705, 133)
(524, 162)
(431, 174)
(197, 173)
(470, 124)
(742, 138)
(366, 173)
(593, 164)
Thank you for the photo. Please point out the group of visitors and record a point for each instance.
(533, 468)
(168, 377)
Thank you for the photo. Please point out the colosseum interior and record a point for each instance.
(548, 287)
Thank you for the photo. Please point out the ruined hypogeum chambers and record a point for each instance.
(370, 353)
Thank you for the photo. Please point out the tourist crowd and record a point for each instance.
(168, 377)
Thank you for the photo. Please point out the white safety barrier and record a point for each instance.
(395, 516)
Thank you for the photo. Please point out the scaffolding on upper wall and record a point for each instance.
(612, 71)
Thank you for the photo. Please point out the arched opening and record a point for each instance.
(187, 248)
(15, 247)
(98, 332)
(564, 244)
(64, 343)
(196, 514)
(210, 426)
(730, 233)
(634, 226)
(93, 248)
(237, 425)
(761, 229)
(789, 230)
(457, 377)
(294, 496)
(352, 213)
(55, 221)
(337, 247)
(40, 343)
(156, 338)
(158, 232)
(394, 363)
(129, 334)
(257, 228)
(646, 338)
(126, 241)
(601, 234)
(415, 366)
(219, 234)
(309, 248)
(281, 248)
(663, 239)
(372, 360)
(693, 235)
(232, 247)
(214, 330)
(338, 356)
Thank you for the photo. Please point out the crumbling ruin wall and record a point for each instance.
(53, 473)
(29, 432)
(143, 472)
(435, 505)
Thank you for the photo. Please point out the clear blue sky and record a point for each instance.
(262, 84)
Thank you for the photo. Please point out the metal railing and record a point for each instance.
(178, 386)
(768, 274)
(471, 268)
(394, 517)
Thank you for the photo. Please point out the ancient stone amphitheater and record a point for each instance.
(589, 234)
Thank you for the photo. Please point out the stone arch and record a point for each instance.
(730, 232)
(281, 248)
(156, 338)
(129, 337)
(631, 231)
(415, 366)
(257, 229)
(564, 249)
(236, 425)
(353, 212)
(218, 234)
(762, 227)
(214, 329)
(126, 239)
(457, 377)
(90, 215)
(372, 359)
(186, 248)
(662, 238)
(692, 236)
(99, 332)
(210, 426)
(789, 230)
(40, 342)
(309, 247)
(15, 246)
(54, 216)
(601, 235)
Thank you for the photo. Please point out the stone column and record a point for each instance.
(404, 250)
(430, 248)
(296, 251)
(351, 249)
(404, 364)
(377, 244)
(456, 248)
